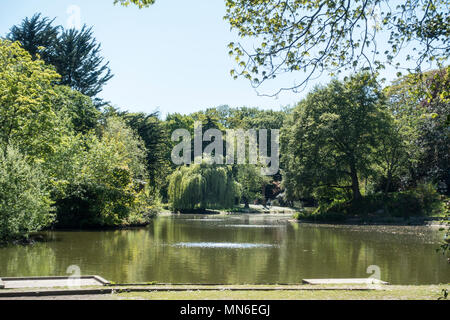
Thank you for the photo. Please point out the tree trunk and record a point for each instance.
(388, 183)
(246, 206)
(355, 183)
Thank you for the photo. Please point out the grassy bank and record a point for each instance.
(336, 292)
(429, 292)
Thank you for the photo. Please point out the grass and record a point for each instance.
(220, 292)
(428, 292)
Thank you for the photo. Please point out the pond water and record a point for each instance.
(244, 249)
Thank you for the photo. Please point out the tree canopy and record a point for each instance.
(332, 137)
(37, 35)
(59, 153)
(25, 204)
(27, 119)
(74, 53)
(313, 37)
(140, 3)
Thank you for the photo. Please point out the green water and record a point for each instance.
(235, 249)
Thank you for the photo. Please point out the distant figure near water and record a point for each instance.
(268, 204)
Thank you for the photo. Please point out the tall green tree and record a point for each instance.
(423, 108)
(27, 118)
(37, 35)
(332, 137)
(153, 133)
(25, 204)
(77, 59)
(100, 179)
(76, 107)
(252, 183)
(76, 54)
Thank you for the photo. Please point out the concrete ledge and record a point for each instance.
(344, 281)
(167, 288)
(45, 278)
(102, 280)
(51, 282)
(47, 293)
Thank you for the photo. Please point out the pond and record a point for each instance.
(235, 249)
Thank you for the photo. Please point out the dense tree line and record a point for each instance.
(357, 148)
(350, 147)
(63, 162)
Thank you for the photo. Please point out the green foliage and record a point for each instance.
(244, 117)
(25, 205)
(445, 245)
(323, 217)
(95, 175)
(421, 201)
(27, 119)
(391, 155)
(140, 3)
(313, 37)
(74, 53)
(101, 181)
(77, 59)
(202, 186)
(71, 104)
(434, 134)
(421, 105)
(331, 138)
(153, 133)
(37, 35)
(251, 181)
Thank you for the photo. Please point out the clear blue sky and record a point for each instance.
(172, 56)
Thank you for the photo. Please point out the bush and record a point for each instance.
(421, 201)
(101, 181)
(25, 205)
(320, 217)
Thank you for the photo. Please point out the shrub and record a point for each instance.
(421, 201)
(321, 217)
(429, 199)
(25, 205)
(101, 181)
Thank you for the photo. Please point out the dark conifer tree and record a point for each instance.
(78, 61)
(34, 33)
(74, 53)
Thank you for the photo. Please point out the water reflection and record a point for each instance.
(178, 249)
(222, 245)
(251, 226)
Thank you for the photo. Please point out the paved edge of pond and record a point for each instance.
(29, 283)
(36, 292)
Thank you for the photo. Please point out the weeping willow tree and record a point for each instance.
(202, 186)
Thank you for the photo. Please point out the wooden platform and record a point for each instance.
(344, 281)
(51, 282)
